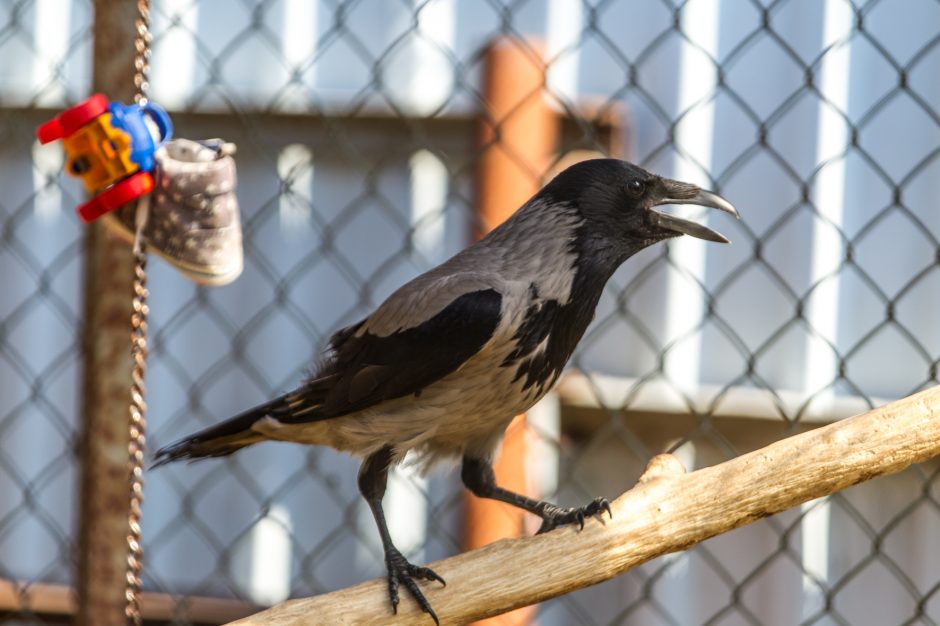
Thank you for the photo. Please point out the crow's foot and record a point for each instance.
(554, 516)
(400, 571)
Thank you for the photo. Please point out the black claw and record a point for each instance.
(554, 516)
(429, 574)
(400, 571)
(393, 591)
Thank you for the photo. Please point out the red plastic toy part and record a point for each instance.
(71, 120)
(116, 196)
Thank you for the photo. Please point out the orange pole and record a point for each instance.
(519, 138)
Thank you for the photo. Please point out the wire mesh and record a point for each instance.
(357, 125)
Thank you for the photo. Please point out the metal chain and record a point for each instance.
(142, 52)
(137, 424)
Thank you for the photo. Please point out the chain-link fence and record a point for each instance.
(358, 127)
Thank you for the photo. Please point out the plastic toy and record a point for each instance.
(110, 146)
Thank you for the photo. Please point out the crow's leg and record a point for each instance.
(477, 475)
(373, 476)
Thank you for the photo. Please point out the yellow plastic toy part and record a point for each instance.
(99, 154)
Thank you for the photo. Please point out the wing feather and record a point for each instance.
(366, 369)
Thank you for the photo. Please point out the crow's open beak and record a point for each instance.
(675, 192)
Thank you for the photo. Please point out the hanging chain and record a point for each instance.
(137, 424)
(142, 52)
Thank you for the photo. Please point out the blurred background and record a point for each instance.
(378, 137)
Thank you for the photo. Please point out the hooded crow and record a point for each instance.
(442, 366)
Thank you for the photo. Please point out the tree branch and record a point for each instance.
(667, 511)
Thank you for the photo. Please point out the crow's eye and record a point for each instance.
(636, 186)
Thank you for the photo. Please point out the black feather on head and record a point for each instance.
(617, 200)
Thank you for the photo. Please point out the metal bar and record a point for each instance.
(104, 438)
(49, 599)
(578, 393)
(370, 129)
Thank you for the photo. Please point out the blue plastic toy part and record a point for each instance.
(131, 119)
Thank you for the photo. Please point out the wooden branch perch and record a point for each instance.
(667, 511)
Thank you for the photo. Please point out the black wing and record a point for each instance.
(368, 369)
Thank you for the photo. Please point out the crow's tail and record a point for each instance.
(221, 439)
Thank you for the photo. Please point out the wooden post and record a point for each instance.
(519, 137)
(103, 454)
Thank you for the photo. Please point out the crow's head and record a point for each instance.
(618, 201)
